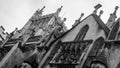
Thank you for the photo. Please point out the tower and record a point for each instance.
(112, 18)
(33, 39)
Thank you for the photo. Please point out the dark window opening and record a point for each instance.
(97, 46)
(80, 36)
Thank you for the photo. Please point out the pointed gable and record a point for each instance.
(95, 28)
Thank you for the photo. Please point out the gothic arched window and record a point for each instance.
(97, 46)
(114, 31)
(96, 54)
(82, 33)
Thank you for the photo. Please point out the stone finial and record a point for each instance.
(58, 10)
(42, 8)
(101, 12)
(82, 14)
(64, 19)
(96, 8)
(116, 8)
(40, 11)
(77, 21)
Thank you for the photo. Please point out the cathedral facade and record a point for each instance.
(45, 42)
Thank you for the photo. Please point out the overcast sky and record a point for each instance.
(15, 13)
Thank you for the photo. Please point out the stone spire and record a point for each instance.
(112, 18)
(37, 14)
(40, 11)
(96, 8)
(101, 12)
(116, 8)
(59, 10)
